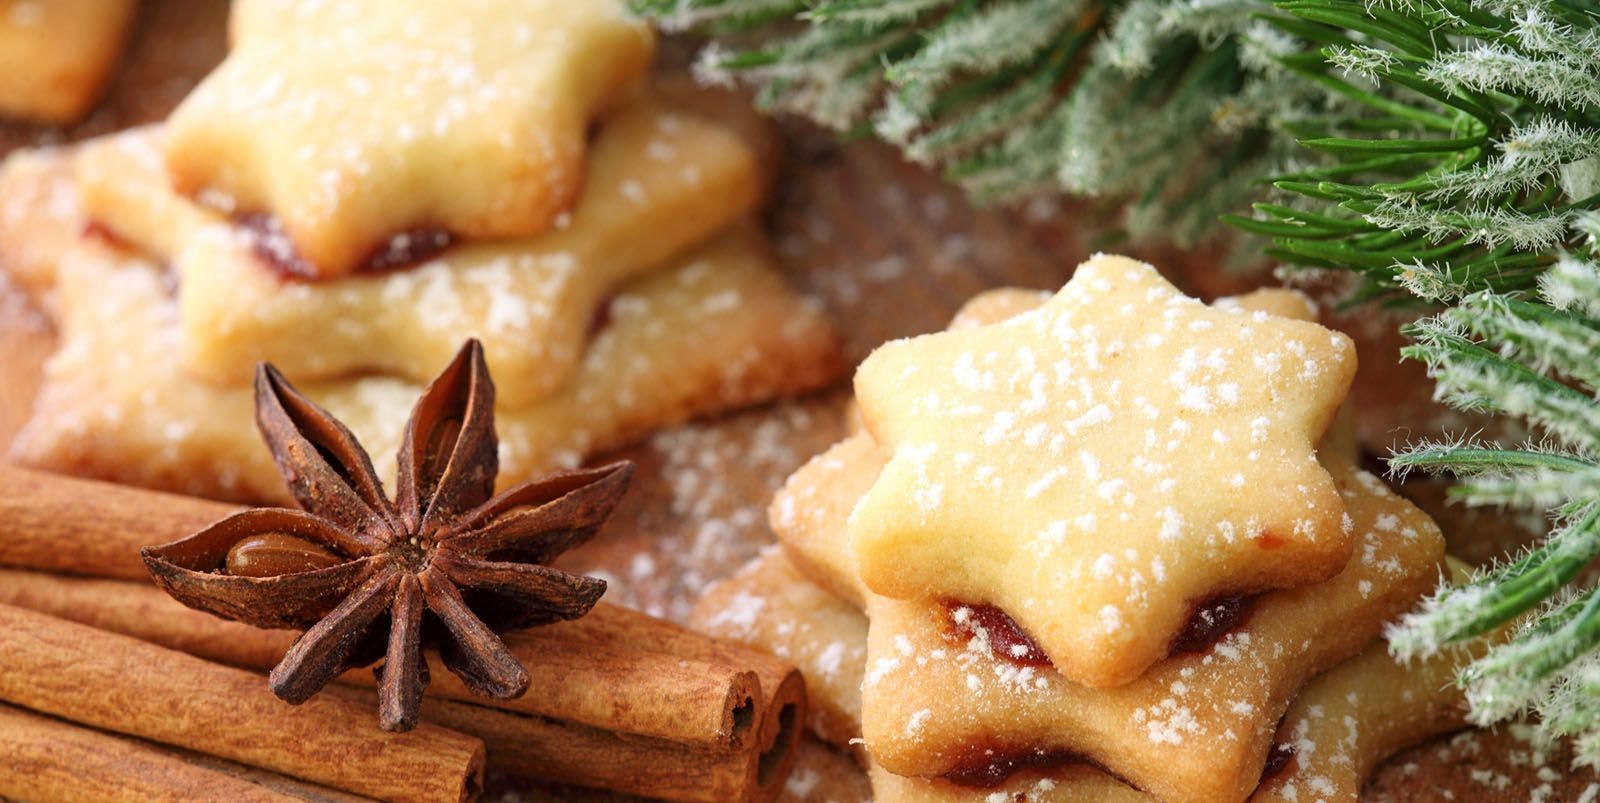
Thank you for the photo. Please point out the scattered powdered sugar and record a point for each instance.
(801, 781)
(741, 613)
(918, 719)
(831, 660)
(705, 516)
(1506, 763)
(1168, 722)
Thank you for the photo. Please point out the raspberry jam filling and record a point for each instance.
(1006, 638)
(985, 766)
(1278, 759)
(1210, 621)
(271, 244)
(982, 767)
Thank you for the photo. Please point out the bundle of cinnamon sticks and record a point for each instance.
(99, 663)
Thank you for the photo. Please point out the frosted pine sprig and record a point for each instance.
(1568, 709)
(1528, 154)
(1478, 160)
(1000, 37)
(1568, 285)
(1483, 225)
(1551, 81)
(1529, 356)
(1166, 104)
(1521, 677)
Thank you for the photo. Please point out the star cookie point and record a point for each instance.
(1118, 406)
(57, 57)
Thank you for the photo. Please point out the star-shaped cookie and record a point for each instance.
(1102, 467)
(1339, 726)
(661, 179)
(351, 122)
(1196, 727)
(947, 693)
(714, 329)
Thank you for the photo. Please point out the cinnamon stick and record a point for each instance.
(608, 684)
(294, 787)
(118, 683)
(85, 527)
(780, 711)
(145, 612)
(76, 526)
(536, 745)
(616, 671)
(583, 756)
(47, 759)
(621, 687)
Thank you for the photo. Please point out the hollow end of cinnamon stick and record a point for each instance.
(779, 712)
(779, 732)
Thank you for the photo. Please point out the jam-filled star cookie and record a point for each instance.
(1396, 561)
(57, 56)
(1196, 727)
(661, 180)
(1119, 412)
(1339, 727)
(960, 692)
(340, 126)
(717, 328)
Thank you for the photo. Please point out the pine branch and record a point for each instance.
(1165, 104)
(1530, 356)
(1487, 157)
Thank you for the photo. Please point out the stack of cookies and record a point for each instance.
(362, 186)
(1110, 544)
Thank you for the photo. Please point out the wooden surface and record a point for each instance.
(891, 252)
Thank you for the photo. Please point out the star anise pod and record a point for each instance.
(442, 565)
